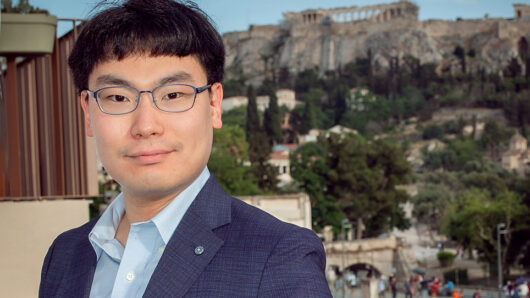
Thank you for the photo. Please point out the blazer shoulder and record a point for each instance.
(69, 255)
(256, 222)
(76, 234)
(295, 261)
(255, 218)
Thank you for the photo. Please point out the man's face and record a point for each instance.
(152, 153)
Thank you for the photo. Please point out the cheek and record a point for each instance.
(109, 134)
(198, 132)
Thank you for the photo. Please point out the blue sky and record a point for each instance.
(237, 15)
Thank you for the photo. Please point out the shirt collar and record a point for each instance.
(166, 220)
(105, 228)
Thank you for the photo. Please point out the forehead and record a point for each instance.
(142, 70)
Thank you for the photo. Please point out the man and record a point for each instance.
(149, 74)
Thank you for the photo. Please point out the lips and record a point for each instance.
(149, 157)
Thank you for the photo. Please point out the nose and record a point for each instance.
(146, 118)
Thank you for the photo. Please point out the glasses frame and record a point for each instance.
(197, 90)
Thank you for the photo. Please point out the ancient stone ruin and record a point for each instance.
(328, 39)
(372, 13)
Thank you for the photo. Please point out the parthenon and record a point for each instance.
(372, 13)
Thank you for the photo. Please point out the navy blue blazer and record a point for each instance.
(247, 253)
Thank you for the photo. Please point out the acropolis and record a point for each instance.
(372, 13)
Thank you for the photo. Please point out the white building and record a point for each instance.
(286, 98)
(517, 158)
(292, 208)
(280, 159)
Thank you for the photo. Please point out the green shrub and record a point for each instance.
(446, 258)
(433, 131)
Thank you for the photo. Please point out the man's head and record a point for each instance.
(123, 57)
(147, 27)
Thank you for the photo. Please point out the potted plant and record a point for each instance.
(25, 29)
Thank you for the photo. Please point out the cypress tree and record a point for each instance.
(272, 120)
(308, 120)
(252, 125)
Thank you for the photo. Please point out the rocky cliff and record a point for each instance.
(330, 44)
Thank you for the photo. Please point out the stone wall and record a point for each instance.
(378, 252)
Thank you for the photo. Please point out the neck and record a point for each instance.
(138, 209)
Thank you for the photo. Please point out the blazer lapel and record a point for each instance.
(83, 274)
(78, 279)
(193, 244)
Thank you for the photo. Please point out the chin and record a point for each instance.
(152, 190)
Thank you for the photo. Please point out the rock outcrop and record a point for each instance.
(329, 39)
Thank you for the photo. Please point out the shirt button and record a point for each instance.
(129, 276)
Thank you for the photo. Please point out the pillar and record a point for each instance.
(15, 172)
(58, 121)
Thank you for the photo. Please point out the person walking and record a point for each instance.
(381, 286)
(435, 287)
(408, 288)
(393, 286)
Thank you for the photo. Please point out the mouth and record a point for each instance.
(149, 157)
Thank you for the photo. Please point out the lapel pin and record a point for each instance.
(199, 250)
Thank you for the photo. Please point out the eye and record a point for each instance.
(172, 95)
(117, 98)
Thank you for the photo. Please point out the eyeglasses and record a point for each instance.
(172, 98)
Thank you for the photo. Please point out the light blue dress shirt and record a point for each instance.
(125, 272)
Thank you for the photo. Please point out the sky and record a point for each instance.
(237, 15)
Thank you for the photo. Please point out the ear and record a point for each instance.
(216, 98)
(83, 99)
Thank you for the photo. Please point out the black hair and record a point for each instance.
(151, 27)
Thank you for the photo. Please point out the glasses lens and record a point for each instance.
(174, 98)
(117, 100)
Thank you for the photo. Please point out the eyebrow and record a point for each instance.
(111, 80)
(177, 77)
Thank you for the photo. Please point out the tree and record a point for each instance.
(253, 123)
(308, 120)
(344, 173)
(309, 168)
(473, 218)
(430, 204)
(234, 87)
(229, 152)
(285, 78)
(306, 80)
(259, 147)
(272, 118)
(494, 138)
(433, 131)
(517, 109)
(455, 157)
(236, 117)
(338, 100)
(259, 152)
